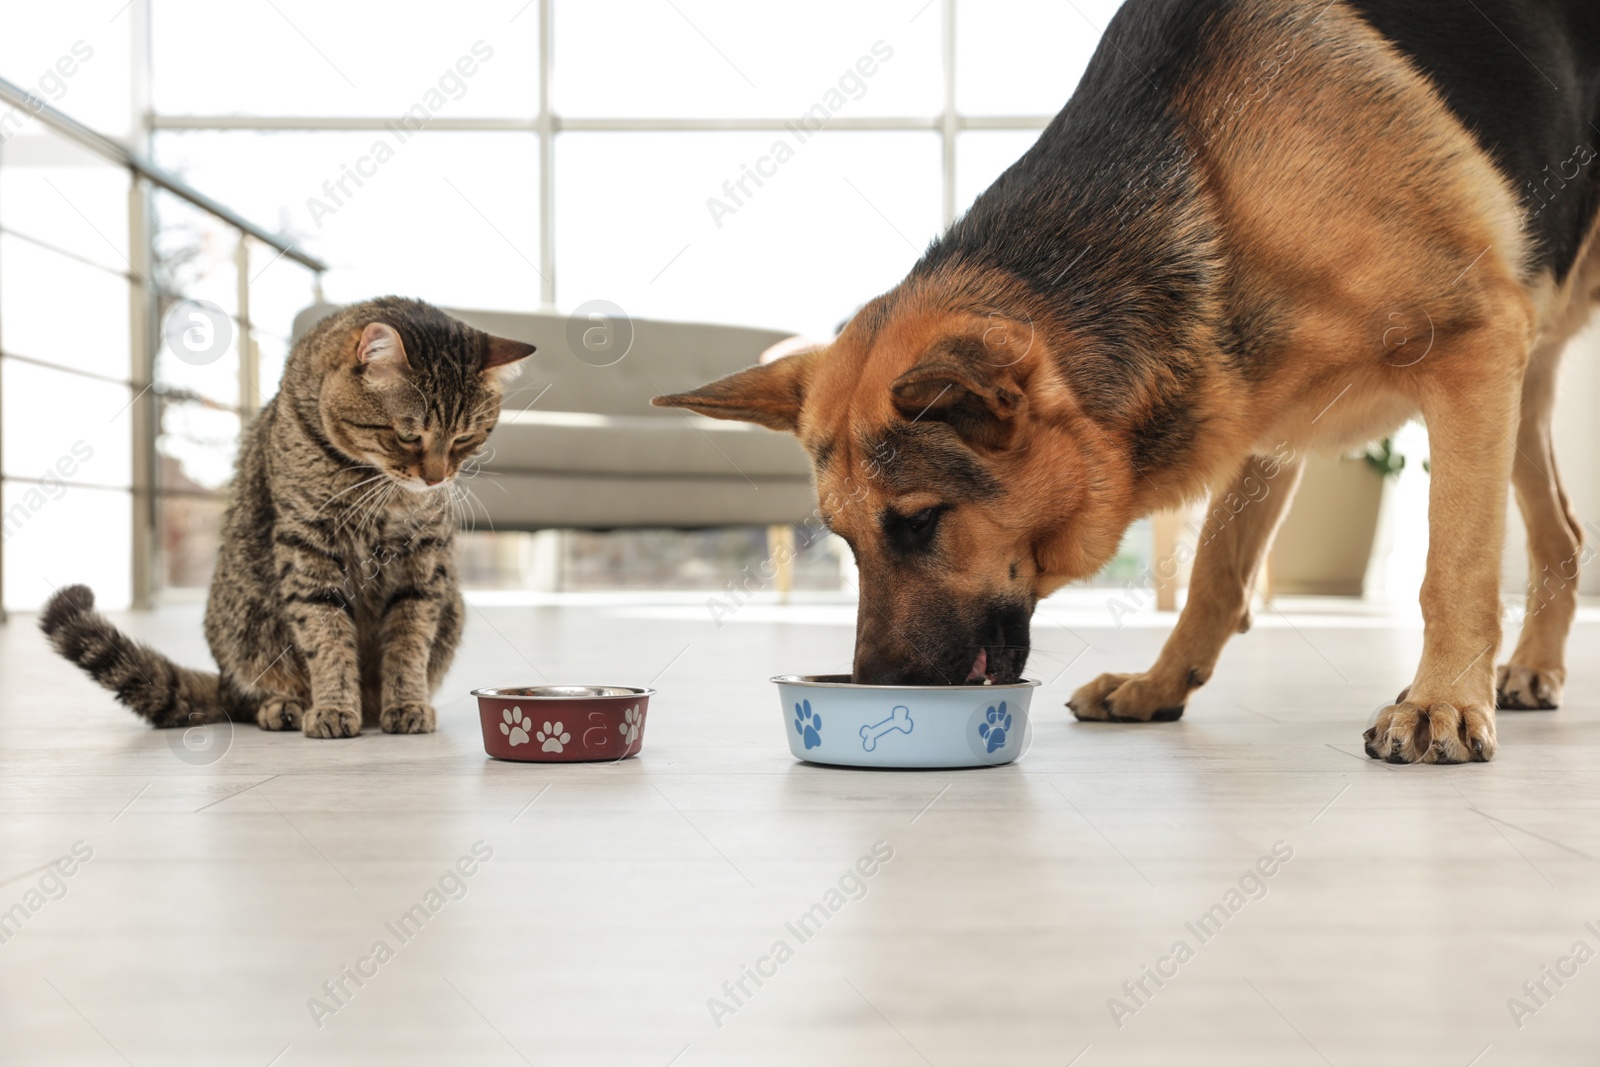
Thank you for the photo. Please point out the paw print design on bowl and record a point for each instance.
(629, 726)
(516, 727)
(808, 724)
(553, 739)
(570, 723)
(995, 726)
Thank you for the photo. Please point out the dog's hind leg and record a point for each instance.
(1533, 676)
(1469, 400)
(1232, 543)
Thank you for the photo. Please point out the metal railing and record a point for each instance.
(148, 394)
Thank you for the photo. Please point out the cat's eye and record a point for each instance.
(463, 439)
(408, 438)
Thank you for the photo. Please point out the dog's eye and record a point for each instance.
(911, 533)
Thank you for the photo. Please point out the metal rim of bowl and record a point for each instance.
(587, 692)
(812, 681)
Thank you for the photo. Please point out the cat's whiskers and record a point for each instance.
(473, 468)
(438, 501)
(354, 515)
(342, 492)
(488, 474)
(461, 500)
(451, 501)
(471, 499)
(379, 502)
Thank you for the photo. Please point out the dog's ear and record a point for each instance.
(770, 394)
(957, 386)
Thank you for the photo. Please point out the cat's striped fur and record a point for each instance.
(335, 599)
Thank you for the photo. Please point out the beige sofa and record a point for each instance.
(580, 447)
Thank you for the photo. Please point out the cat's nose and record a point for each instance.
(433, 470)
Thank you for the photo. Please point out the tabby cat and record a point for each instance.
(335, 600)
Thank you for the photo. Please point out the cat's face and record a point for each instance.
(415, 398)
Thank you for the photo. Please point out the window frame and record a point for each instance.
(949, 123)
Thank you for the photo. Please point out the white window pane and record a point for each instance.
(65, 426)
(840, 221)
(58, 310)
(73, 56)
(191, 530)
(279, 288)
(308, 57)
(449, 217)
(734, 58)
(64, 196)
(272, 354)
(982, 156)
(58, 536)
(196, 447)
(194, 253)
(1024, 57)
(216, 380)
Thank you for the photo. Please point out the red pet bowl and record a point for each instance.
(563, 723)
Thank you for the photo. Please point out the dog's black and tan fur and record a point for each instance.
(1207, 262)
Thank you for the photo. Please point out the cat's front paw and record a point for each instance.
(329, 720)
(408, 718)
(276, 714)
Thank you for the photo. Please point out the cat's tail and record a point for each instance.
(157, 689)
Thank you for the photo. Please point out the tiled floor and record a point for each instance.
(227, 885)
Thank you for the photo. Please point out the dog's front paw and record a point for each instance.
(277, 714)
(1410, 732)
(329, 720)
(1519, 688)
(408, 718)
(1128, 698)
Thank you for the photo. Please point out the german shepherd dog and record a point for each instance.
(1258, 228)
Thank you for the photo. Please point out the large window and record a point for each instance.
(115, 447)
(768, 164)
(772, 164)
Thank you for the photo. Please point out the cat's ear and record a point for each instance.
(503, 357)
(381, 352)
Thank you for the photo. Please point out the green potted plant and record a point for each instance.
(1325, 543)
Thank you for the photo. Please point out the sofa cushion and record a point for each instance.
(535, 442)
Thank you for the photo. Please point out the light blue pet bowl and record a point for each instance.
(829, 719)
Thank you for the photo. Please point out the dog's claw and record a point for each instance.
(1130, 698)
(1519, 688)
(1437, 732)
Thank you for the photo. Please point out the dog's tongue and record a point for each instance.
(979, 667)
